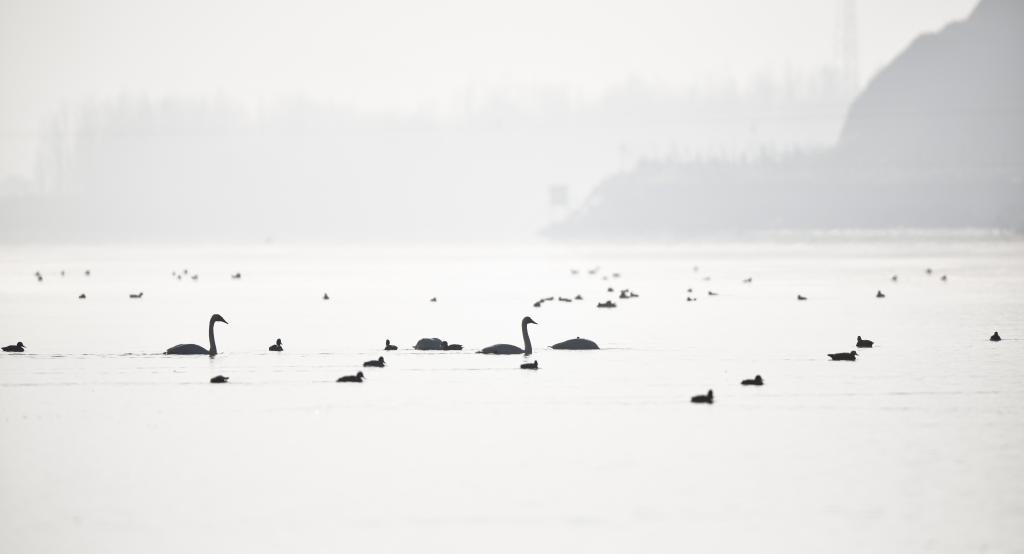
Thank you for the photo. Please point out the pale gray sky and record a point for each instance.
(397, 55)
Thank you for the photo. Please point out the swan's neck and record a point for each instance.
(526, 341)
(213, 343)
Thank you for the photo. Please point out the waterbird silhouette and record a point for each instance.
(20, 347)
(81, 296)
(608, 304)
(708, 398)
(757, 381)
(219, 379)
(576, 344)
(388, 345)
(801, 297)
(357, 378)
(579, 297)
(433, 299)
(379, 362)
(850, 356)
(277, 346)
(994, 338)
(864, 343)
(748, 280)
(895, 278)
(943, 278)
(452, 346)
(530, 365)
(326, 297)
(430, 344)
(236, 276)
(188, 349)
(879, 294)
(712, 293)
(131, 295)
(511, 348)
(564, 299)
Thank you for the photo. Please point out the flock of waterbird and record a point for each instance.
(437, 344)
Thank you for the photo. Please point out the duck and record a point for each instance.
(610, 289)
(388, 345)
(994, 338)
(184, 349)
(131, 295)
(357, 378)
(757, 381)
(452, 346)
(801, 297)
(81, 296)
(219, 379)
(195, 277)
(379, 362)
(690, 299)
(712, 293)
(608, 304)
(748, 280)
(576, 344)
(708, 398)
(864, 343)
(236, 275)
(20, 347)
(530, 365)
(433, 299)
(326, 297)
(511, 348)
(879, 294)
(928, 271)
(850, 356)
(578, 297)
(277, 346)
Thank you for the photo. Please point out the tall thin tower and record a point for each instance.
(847, 46)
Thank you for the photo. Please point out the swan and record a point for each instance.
(708, 398)
(379, 362)
(756, 381)
(219, 379)
(277, 346)
(15, 347)
(510, 348)
(850, 356)
(430, 344)
(864, 343)
(357, 378)
(576, 344)
(994, 338)
(388, 345)
(531, 365)
(195, 348)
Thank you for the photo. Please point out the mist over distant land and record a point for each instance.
(936, 140)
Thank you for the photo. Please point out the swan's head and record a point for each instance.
(217, 317)
(528, 319)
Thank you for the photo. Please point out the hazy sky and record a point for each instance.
(412, 54)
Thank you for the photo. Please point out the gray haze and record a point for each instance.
(318, 145)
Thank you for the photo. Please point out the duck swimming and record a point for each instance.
(576, 344)
(81, 296)
(379, 362)
(511, 348)
(879, 294)
(757, 381)
(219, 379)
(864, 343)
(850, 356)
(195, 348)
(388, 345)
(326, 297)
(608, 304)
(15, 347)
(994, 338)
(801, 297)
(277, 346)
(357, 378)
(531, 365)
(139, 295)
(708, 398)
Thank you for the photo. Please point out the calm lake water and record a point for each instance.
(109, 446)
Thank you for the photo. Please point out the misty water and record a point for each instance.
(109, 446)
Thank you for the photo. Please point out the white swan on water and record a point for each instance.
(511, 348)
(195, 348)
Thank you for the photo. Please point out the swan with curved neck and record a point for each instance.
(511, 348)
(195, 348)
